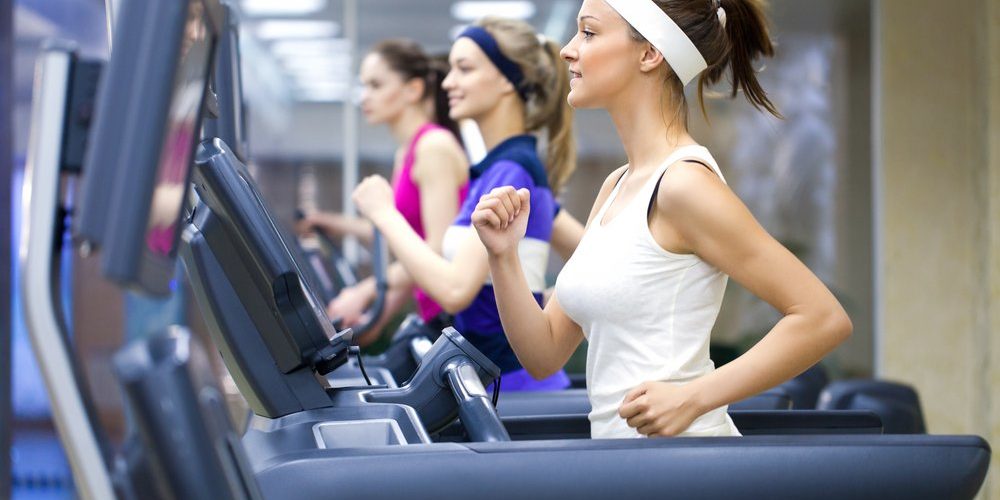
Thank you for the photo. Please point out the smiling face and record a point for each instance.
(385, 94)
(474, 85)
(602, 56)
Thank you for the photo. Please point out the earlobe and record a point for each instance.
(415, 89)
(507, 86)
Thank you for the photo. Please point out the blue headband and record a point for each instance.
(508, 68)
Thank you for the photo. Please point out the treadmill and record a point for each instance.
(340, 436)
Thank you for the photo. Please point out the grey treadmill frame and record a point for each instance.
(67, 395)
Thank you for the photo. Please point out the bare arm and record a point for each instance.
(439, 172)
(394, 301)
(703, 216)
(337, 224)
(396, 277)
(543, 340)
(453, 284)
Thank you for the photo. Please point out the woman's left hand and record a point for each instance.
(660, 408)
(373, 196)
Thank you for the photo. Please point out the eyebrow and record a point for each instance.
(588, 16)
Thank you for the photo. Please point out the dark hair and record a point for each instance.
(546, 76)
(735, 47)
(407, 58)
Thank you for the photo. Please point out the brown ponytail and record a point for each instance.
(735, 47)
(749, 39)
(546, 76)
(439, 68)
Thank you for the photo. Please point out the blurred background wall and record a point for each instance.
(937, 213)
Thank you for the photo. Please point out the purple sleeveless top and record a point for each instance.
(407, 196)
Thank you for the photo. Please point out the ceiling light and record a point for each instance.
(308, 95)
(312, 47)
(321, 91)
(282, 7)
(471, 11)
(317, 62)
(275, 29)
(320, 72)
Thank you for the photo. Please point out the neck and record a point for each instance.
(648, 133)
(406, 125)
(503, 121)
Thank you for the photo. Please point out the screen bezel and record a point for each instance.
(126, 259)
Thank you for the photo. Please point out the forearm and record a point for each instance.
(794, 344)
(394, 301)
(438, 277)
(397, 281)
(398, 278)
(342, 225)
(524, 322)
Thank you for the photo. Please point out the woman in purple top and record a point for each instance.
(510, 83)
(402, 89)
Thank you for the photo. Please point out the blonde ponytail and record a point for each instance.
(546, 77)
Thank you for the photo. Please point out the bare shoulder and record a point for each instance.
(695, 202)
(688, 184)
(438, 141)
(438, 152)
(612, 179)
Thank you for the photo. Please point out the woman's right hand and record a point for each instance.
(501, 219)
(309, 222)
(349, 306)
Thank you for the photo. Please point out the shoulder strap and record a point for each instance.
(599, 216)
(693, 153)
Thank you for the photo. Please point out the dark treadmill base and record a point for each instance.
(942, 467)
(749, 422)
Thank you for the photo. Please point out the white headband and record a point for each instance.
(664, 34)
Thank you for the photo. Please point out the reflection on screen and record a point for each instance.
(182, 133)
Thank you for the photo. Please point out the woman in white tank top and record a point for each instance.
(645, 285)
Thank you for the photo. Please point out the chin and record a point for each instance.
(577, 101)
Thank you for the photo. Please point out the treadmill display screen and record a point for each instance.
(172, 174)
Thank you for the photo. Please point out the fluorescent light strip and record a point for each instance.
(321, 73)
(259, 8)
(513, 9)
(298, 29)
(302, 64)
(312, 47)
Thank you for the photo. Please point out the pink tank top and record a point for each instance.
(407, 196)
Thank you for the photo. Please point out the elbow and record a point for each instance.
(456, 301)
(837, 326)
(450, 307)
(540, 372)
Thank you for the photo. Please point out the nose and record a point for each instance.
(449, 82)
(568, 52)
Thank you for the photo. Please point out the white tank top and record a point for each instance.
(647, 313)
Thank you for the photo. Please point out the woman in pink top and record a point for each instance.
(402, 89)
